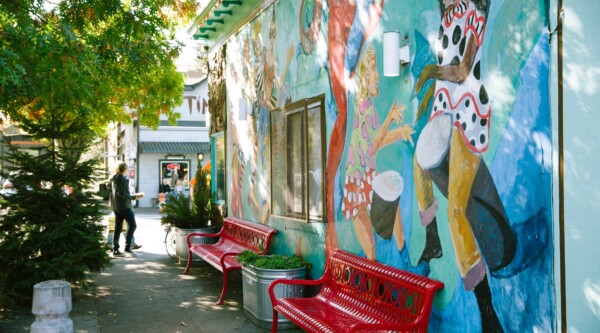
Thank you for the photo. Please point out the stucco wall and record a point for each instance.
(581, 76)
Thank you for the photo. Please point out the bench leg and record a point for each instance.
(189, 263)
(274, 324)
(224, 291)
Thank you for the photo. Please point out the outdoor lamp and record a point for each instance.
(200, 157)
(393, 54)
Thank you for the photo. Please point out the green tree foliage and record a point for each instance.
(100, 61)
(45, 233)
(66, 72)
(201, 204)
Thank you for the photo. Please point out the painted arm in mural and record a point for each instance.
(453, 73)
(385, 137)
(288, 60)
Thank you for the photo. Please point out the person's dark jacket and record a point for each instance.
(119, 193)
(164, 188)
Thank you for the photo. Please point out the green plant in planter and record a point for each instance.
(183, 213)
(177, 212)
(271, 261)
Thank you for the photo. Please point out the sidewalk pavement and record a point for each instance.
(148, 292)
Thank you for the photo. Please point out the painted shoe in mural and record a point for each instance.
(433, 246)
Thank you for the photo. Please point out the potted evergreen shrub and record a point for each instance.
(258, 271)
(187, 215)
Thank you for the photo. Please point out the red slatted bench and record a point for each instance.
(236, 236)
(359, 295)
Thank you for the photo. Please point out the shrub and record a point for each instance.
(271, 261)
(182, 213)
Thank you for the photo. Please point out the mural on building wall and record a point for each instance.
(444, 171)
(262, 88)
(217, 91)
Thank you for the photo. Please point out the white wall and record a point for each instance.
(194, 105)
(581, 74)
(174, 134)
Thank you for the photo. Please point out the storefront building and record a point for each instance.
(169, 155)
(172, 154)
(427, 135)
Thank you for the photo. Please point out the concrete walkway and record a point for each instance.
(147, 292)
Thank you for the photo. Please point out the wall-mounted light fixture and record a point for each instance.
(200, 157)
(393, 54)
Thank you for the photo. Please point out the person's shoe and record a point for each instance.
(117, 253)
(135, 246)
(129, 251)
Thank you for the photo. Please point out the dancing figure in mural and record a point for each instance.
(237, 170)
(449, 152)
(268, 80)
(371, 199)
(342, 54)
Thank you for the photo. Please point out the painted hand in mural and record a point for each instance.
(385, 136)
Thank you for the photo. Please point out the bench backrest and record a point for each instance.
(392, 295)
(254, 236)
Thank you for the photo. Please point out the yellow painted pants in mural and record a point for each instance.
(463, 165)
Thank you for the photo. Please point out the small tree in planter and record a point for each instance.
(258, 271)
(190, 215)
(201, 203)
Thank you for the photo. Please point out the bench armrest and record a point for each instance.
(292, 281)
(228, 254)
(200, 234)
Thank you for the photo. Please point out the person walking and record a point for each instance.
(120, 204)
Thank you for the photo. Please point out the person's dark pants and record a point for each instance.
(127, 215)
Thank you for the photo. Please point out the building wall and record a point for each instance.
(487, 180)
(169, 133)
(581, 68)
(193, 110)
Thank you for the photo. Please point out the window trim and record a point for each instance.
(305, 104)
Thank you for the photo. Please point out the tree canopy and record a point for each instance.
(90, 62)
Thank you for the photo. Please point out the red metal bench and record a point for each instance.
(236, 236)
(360, 295)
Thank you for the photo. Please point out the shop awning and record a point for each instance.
(174, 147)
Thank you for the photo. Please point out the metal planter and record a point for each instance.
(257, 303)
(181, 249)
